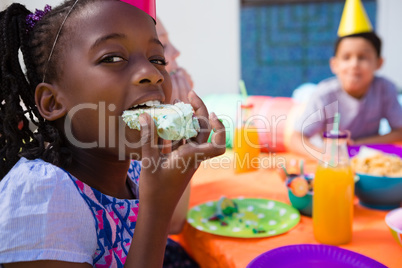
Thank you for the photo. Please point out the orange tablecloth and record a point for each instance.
(214, 179)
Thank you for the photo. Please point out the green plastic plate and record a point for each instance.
(256, 218)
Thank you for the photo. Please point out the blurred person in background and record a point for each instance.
(181, 80)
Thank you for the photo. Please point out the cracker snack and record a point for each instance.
(374, 162)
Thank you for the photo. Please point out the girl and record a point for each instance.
(68, 193)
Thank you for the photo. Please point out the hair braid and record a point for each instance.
(13, 83)
(17, 87)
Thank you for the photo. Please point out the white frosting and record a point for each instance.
(173, 122)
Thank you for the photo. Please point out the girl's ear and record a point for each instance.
(48, 103)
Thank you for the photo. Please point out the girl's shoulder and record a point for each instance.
(44, 215)
(31, 177)
(37, 169)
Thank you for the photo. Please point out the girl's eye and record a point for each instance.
(159, 61)
(112, 59)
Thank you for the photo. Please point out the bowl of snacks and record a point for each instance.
(300, 192)
(379, 168)
(394, 222)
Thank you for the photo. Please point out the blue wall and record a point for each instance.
(284, 46)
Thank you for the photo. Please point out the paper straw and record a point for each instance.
(335, 130)
(284, 169)
(302, 167)
(243, 89)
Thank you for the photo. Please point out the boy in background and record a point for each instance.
(361, 97)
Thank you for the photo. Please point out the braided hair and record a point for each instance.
(17, 87)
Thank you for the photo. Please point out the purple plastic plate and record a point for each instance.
(312, 256)
(386, 148)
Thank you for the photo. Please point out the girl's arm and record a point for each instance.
(180, 213)
(164, 178)
(182, 84)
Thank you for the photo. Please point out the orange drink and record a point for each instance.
(333, 204)
(246, 149)
(334, 191)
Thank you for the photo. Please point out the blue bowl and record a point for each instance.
(303, 204)
(377, 192)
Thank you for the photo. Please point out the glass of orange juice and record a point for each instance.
(333, 193)
(246, 145)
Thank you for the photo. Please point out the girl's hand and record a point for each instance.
(163, 179)
(165, 176)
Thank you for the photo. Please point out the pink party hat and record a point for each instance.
(147, 6)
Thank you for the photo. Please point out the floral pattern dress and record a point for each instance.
(115, 221)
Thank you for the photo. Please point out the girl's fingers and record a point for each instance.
(218, 138)
(201, 112)
(200, 152)
(149, 139)
(166, 146)
(176, 144)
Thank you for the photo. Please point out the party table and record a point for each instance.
(216, 178)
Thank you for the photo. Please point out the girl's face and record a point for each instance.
(171, 52)
(355, 64)
(113, 60)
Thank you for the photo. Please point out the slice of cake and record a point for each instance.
(173, 122)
